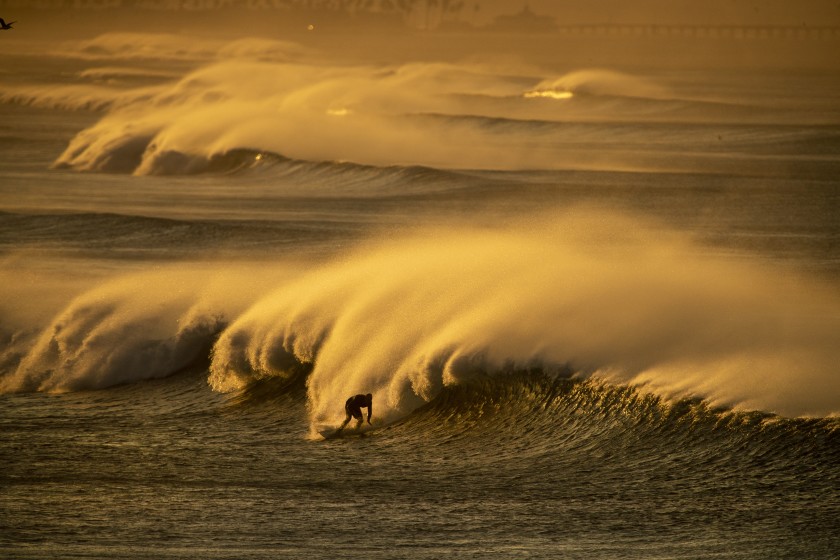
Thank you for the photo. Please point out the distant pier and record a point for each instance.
(745, 32)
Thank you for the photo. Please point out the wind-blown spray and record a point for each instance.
(589, 291)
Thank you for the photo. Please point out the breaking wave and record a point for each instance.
(605, 297)
(113, 335)
(445, 116)
(587, 293)
(428, 115)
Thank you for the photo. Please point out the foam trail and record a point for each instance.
(597, 291)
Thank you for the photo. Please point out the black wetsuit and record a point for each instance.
(353, 406)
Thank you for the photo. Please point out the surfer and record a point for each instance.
(353, 409)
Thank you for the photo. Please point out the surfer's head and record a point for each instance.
(369, 399)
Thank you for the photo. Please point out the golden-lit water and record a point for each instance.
(597, 307)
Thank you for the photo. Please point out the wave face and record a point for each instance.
(533, 415)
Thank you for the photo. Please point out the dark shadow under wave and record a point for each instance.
(272, 391)
(246, 161)
(534, 409)
(586, 430)
(536, 421)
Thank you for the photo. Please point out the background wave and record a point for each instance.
(434, 115)
(176, 47)
(204, 102)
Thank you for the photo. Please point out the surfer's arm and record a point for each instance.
(370, 411)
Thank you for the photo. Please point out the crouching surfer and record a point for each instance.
(353, 408)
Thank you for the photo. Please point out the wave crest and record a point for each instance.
(592, 292)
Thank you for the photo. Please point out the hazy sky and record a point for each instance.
(768, 12)
(811, 12)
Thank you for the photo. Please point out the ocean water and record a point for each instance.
(597, 308)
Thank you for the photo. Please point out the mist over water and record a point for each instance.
(175, 104)
(590, 278)
(324, 113)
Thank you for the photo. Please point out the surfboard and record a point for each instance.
(333, 433)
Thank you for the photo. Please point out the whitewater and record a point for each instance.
(597, 307)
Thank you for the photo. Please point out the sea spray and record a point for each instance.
(451, 116)
(128, 328)
(590, 291)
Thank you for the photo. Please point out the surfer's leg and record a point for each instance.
(346, 420)
(357, 414)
